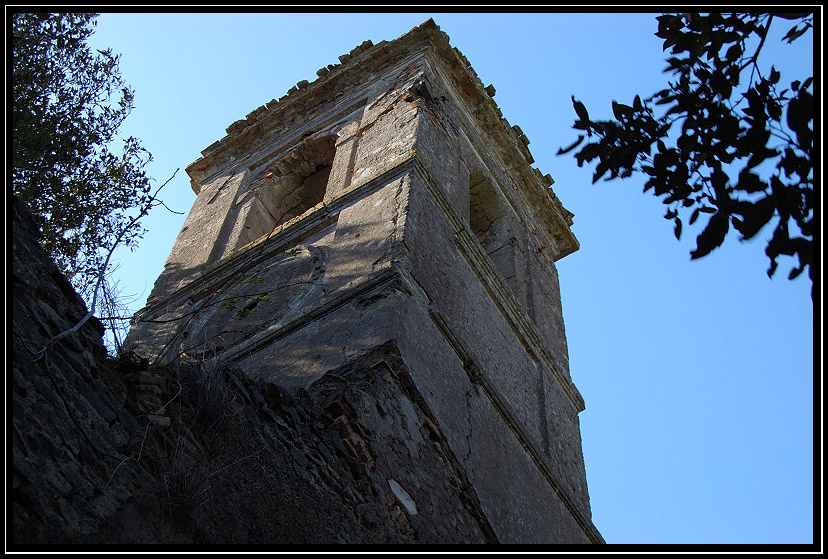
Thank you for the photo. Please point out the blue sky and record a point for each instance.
(697, 376)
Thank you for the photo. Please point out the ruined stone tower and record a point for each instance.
(382, 227)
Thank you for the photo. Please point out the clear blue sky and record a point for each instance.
(697, 376)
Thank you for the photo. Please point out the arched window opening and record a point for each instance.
(288, 188)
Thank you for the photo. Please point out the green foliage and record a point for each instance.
(743, 151)
(251, 304)
(68, 103)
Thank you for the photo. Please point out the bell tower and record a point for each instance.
(385, 220)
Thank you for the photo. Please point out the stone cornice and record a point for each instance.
(511, 142)
(262, 121)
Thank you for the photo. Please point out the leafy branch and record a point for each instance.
(743, 153)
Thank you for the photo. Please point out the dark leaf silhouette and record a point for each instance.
(572, 146)
(712, 236)
(733, 144)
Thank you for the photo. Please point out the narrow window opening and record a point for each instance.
(488, 221)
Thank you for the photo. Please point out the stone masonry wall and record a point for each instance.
(68, 425)
(124, 452)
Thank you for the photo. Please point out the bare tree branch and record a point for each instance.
(151, 203)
